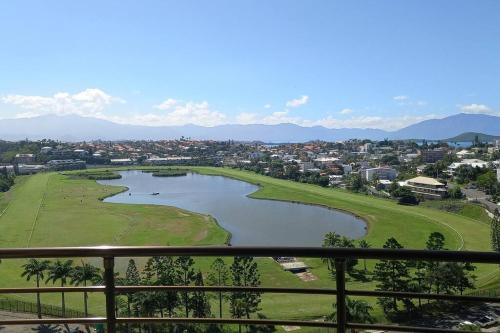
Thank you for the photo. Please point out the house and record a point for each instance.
(304, 166)
(464, 153)
(59, 165)
(80, 152)
(45, 150)
(7, 168)
(121, 161)
(427, 187)
(327, 161)
(168, 160)
(475, 163)
(380, 172)
(24, 158)
(28, 169)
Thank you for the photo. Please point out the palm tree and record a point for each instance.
(36, 268)
(60, 271)
(80, 275)
(357, 311)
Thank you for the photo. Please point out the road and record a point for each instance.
(4, 315)
(481, 197)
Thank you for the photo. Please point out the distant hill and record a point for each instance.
(76, 128)
(470, 136)
(438, 129)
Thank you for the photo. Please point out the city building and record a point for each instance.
(304, 166)
(380, 172)
(168, 160)
(60, 165)
(28, 169)
(433, 155)
(121, 161)
(427, 187)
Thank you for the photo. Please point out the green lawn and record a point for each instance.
(54, 210)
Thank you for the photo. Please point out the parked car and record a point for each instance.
(485, 321)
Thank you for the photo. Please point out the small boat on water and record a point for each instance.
(155, 193)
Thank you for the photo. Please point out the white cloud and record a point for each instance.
(387, 123)
(400, 98)
(294, 103)
(475, 108)
(267, 106)
(166, 104)
(346, 111)
(89, 102)
(179, 113)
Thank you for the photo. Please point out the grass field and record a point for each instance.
(51, 209)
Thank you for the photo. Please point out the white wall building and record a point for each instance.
(380, 173)
(475, 163)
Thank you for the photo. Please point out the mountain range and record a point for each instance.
(76, 128)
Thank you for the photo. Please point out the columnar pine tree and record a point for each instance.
(199, 300)
(132, 278)
(495, 234)
(392, 275)
(245, 273)
(186, 272)
(219, 276)
(169, 276)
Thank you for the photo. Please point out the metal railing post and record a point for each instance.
(340, 268)
(109, 281)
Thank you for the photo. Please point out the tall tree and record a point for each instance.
(36, 268)
(60, 271)
(169, 276)
(199, 300)
(333, 239)
(186, 271)
(392, 275)
(435, 242)
(364, 245)
(357, 311)
(219, 276)
(495, 234)
(244, 273)
(132, 278)
(80, 275)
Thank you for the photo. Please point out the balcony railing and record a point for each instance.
(339, 255)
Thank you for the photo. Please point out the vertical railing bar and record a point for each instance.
(109, 281)
(340, 268)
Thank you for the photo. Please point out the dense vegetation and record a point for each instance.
(95, 175)
(166, 172)
(6, 180)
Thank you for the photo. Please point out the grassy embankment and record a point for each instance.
(56, 210)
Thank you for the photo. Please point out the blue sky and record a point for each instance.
(381, 64)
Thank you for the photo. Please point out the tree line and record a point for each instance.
(409, 276)
(158, 271)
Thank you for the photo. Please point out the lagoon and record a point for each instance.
(250, 221)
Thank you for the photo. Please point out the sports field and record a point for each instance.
(52, 209)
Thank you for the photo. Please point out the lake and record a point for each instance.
(250, 221)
